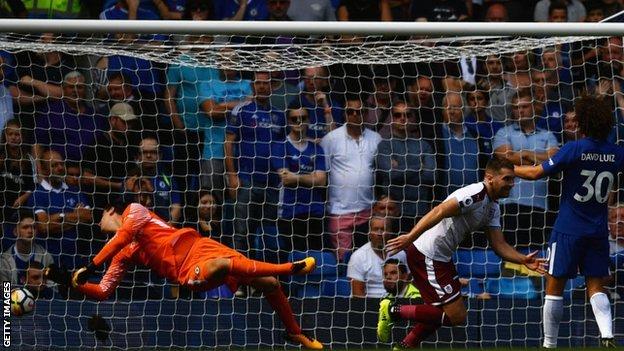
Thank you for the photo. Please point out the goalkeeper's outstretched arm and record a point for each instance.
(111, 279)
(134, 221)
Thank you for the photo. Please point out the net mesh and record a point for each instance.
(204, 131)
(252, 53)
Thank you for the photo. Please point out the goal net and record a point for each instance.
(286, 146)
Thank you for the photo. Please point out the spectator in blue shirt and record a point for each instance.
(220, 96)
(252, 127)
(456, 148)
(60, 208)
(548, 104)
(39, 78)
(183, 97)
(524, 143)
(300, 164)
(479, 122)
(15, 261)
(70, 125)
(123, 10)
(323, 111)
(166, 199)
(241, 10)
(153, 9)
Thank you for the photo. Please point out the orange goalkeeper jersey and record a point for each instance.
(162, 247)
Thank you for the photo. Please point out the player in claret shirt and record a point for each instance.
(184, 257)
(432, 242)
(580, 237)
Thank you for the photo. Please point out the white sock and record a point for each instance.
(602, 311)
(553, 310)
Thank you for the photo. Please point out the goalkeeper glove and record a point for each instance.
(81, 275)
(58, 275)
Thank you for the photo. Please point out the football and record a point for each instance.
(22, 302)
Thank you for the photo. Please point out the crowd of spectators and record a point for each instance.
(334, 159)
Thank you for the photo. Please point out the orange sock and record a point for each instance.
(280, 305)
(245, 267)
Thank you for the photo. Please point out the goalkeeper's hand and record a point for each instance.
(58, 275)
(81, 275)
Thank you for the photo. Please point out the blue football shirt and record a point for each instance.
(299, 200)
(256, 127)
(63, 247)
(590, 169)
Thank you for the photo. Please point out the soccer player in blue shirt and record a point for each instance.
(580, 237)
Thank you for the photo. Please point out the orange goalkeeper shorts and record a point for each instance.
(192, 272)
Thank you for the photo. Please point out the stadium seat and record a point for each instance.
(477, 263)
(220, 292)
(309, 290)
(337, 287)
(474, 288)
(311, 285)
(511, 287)
(325, 264)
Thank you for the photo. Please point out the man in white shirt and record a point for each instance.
(430, 245)
(350, 152)
(366, 264)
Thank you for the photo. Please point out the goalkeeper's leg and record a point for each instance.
(244, 267)
(272, 291)
(213, 271)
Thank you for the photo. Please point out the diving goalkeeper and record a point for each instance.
(183, 257)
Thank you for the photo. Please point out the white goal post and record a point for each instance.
(313, 28)
(418, 65)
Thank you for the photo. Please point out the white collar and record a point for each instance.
(47, 186)
(301, 147)
(23, 257)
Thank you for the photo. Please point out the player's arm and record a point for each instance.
(358, 288)
(515, 157)
(111, 279)
(448, 208)
(543, 156)
(290, 179)
(165, 12)
(508, 253)
(136, 218)
(529, 172)
(230, 163)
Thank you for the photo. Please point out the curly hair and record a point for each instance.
(595, 116)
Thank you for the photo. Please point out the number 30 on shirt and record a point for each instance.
(594, 186)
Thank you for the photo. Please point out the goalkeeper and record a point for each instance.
(183, 257)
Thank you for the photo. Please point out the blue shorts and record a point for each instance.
(570, 254)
